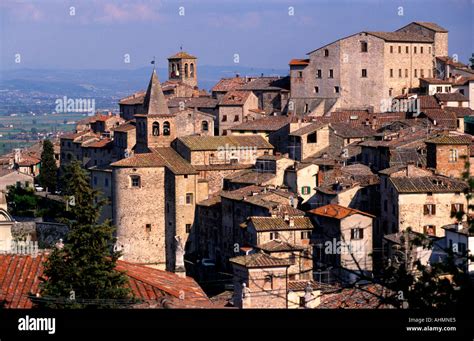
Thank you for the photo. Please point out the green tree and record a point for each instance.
(48, 171)
(22, 201)
(81, 273)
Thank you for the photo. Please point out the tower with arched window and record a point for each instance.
(182, 67)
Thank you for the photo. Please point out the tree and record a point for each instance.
(48, 171)
(22, 201)
(81, 273)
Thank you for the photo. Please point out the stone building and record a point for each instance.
(274, 129)
(342, 239)
(182, 67)
(156, 126)
(308, 140)
(154, 196)
(272, 92)
(226, 85)
(447, 154)
(216, 157)
(101, 179)
(234, 108)
(363, 69)
(124, 139)
(423, 203)
(12, 177)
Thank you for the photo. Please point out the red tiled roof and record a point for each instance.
(136, 98)
(99, 144)
(183, 55)
(271, 123)
(428, 102)
(235, 97)
(259, 260)
(442, 118)
(141, 160)
(229, 84)
(299, 62)
(451, 97)
(26, 161)
(336, 211)
(19, 277)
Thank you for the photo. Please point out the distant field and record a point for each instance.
(11, 126)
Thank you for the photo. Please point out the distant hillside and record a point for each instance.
(110, 82)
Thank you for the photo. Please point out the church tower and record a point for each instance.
(182, 67)
(155, 126)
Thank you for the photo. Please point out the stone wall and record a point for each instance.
(134, 209)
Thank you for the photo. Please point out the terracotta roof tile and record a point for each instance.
(271, 123)
(277, 245)
(141, 160)
(435, 81)
(235, 97)
(182, 55)
(451, 139)
(259, 260)
(200, 143)
(279, 224)
(451, 97)
(299, 62)
(336, 211)
(174, 161)
(432, 26)
(229, 84)
(434, 184)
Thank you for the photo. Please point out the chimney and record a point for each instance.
(286, 217)
(291, 222)
(459, 226)
(410, 169)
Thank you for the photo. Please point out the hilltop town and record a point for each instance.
(274, 192)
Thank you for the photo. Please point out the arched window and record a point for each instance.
(205, 126)
(166, 128)
(156, 129)
(186, 71)
(192, 70)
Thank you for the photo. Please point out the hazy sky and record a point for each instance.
(261, 32)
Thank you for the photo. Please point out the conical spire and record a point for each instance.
(155, 102)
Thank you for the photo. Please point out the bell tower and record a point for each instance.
(182, 67)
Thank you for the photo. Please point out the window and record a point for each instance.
(399, 49)
(192, 70)
(447, 89)
(415, 72)
(407, 49)
(312, 138)
(274, 235)
(406, 73)
(363, 46)
(135, 180)
(336, 89)
(421, 49)
(400, 73)
(302, 302)
(106, 182)
(95, 180)
(156, 129)
(305, 235)
(461, 91)
(439, 89)
(391, 49)
(188, 228)
(186, 72)
(305, 190)
(429, 209)
(456, 208)
(390, 92)
(148, 227)
(300, 74)
(364, 73)
(326, 53)
(205, 126)
(189, 198)
(166, 128)
(422, 73)
(316, 89)
(331, 73)
(357, 233)
(453, 155)
(268, 282)
(236, 118)
(414, 49)
(429, 230)
(391, 73)
(224, 118)
(319, 73)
